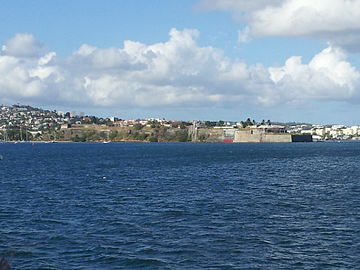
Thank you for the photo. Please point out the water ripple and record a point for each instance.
(180, 206)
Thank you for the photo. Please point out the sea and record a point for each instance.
(180, 205)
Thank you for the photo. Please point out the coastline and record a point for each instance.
(135, 141)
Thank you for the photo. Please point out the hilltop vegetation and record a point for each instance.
(161, 134)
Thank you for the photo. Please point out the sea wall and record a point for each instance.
(257, 137)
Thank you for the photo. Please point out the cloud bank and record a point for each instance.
(177, 72)
(336, 21)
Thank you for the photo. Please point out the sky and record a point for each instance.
(283, 60)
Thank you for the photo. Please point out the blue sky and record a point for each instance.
(65, 25)
(187, 59)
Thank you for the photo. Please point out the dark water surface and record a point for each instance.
(180, 206)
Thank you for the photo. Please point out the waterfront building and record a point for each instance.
(268, 133)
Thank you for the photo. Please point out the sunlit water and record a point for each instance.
(180, 206)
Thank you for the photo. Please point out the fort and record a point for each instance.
(250, 134)
(268, 133)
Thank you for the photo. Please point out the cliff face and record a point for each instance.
(114, 134)
(208, 135)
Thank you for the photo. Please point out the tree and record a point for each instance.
(153, 139)
(248, 122)
(210, 124)
(138, 126)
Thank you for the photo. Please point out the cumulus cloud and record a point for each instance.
(177, 72)
(22, 45)
(336, 21)
(328, 76)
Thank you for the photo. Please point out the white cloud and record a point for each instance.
(15, 80)
(328, 76)
(336, 21)
(238, 5)
(22, 45)
(177, 72)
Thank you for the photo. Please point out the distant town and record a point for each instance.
(26, 123)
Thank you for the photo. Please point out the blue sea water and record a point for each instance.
(180, 206)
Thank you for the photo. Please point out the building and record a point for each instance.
(268, 133)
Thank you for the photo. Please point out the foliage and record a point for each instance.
(139, 136)
(138, 126)
(153, 139)
(78, 138)
(182, 137)
(162, 134)
(247, 123)
(210, 124)
(113, 135)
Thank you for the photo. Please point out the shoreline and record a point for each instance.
(134, 141)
